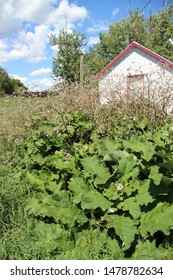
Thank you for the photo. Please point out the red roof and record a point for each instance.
(129, 47)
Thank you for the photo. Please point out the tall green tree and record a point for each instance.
(160, 33)
(66, 64)
(136, 27)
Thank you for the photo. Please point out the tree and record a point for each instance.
(160, 33)
(67, 63)
(18, 85)
(136, 27)
(7, 84)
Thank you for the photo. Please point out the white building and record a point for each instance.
(138, 72)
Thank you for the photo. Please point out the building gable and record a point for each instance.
(127, 50)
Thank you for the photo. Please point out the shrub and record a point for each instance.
(99, 198)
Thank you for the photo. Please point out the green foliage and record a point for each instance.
(160, 32)
(67, 63)
(98, 198)
(18, 85)
(15, 227)
(7, 84)
(158, 219)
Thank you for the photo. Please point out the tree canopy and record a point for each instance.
(8, 84)
(66, 64)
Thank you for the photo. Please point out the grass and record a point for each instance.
(16, 115)
(12, 195)
(15, 227)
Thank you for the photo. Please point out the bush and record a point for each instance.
(8, 85)
(99, 198)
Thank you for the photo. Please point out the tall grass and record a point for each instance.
(16, 113)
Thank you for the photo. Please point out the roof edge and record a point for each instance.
(127, 49)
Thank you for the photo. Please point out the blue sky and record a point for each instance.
(25, 51)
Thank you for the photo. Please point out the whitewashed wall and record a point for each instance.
(158, 78)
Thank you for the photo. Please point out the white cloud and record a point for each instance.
(35, 43)
(30, 46)
(115, 11)
(93, 40)
(40, 84)
(3, 44)
(66, 14)
(8, 22)
(20, 51)
(32, 10)
(98, 27)
(4, 56)
(14, 12)
(31, 22)
(22, 79)
(41, 71)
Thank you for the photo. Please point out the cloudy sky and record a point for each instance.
(25, 26)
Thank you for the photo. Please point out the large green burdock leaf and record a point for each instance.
(56, 162)
(130, 204)
(60, 208)
(127, 168)
(78, 187)
(51, 237)
(140, 144)
(155, 175)
(32, 206)
(111, 192)
(168, 165)
(93, 167)
(148, 251)
(115, 156)
(144, 197)
(40, 208)
(38, 158)
(69, 216)
(64, 210)
(125, 228)
(97, 243)
(94, 199)
(110, 150)
(35, 180)
(48, 232)
(108, 146)
(158, 219)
